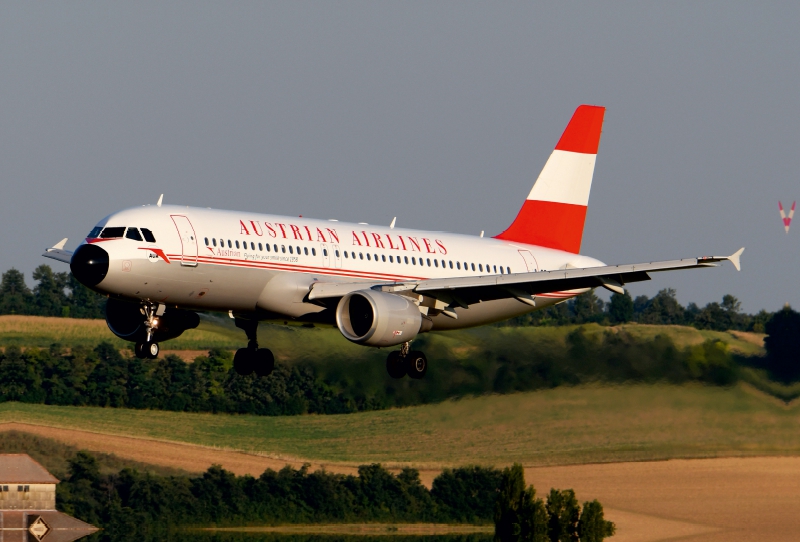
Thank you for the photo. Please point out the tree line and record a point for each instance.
(130, 505)
(661, 309)
(59, 294)
(102, 376)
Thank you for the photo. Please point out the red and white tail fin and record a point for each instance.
(787, 221)
(555, 211)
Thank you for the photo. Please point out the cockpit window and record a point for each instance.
(112, 233)
(134, 234)
(95, 232)
(148, 235)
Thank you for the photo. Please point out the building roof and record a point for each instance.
(21, 469)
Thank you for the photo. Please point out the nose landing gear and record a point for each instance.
(406, 362)
(252, 359)
(149, 348)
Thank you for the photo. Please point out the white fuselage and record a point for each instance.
(264, 265)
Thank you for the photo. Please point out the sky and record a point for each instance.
(439, 113)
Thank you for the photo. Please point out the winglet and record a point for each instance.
(60, 244)
(734, 259)
(160, 199)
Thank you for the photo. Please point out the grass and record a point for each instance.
(559, 426)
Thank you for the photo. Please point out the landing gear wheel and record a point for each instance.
(244, 361)
(151, 350)
(264, 361)
(140, 351)
(395, 365)
(416, 364)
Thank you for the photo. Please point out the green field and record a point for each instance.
(561, 426)
(298, 344)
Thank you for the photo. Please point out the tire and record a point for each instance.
(139, 351)
(264, 362)
(395, 365)
(243, 362)
(151, 350)
(416, 364)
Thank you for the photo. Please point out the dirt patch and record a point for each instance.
(708, 500)
(186, 457)
(730, 499)
(404, 529)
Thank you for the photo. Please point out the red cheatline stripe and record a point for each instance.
(583, 131)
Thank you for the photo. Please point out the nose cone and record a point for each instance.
(89, 265)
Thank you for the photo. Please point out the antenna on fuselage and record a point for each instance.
(160, 199)
(391, 226)
(481, 233)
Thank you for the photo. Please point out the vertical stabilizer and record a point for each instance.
(554, 213)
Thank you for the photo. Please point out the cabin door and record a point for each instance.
(188, 240)
(530, 261)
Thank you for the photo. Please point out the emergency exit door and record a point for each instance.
(188, 240)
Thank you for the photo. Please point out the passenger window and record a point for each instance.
(305, 251)
(337, 253)
(275, 248)
(458, 265)
(95, 232)
(360, 255)
(260, 248)
(206, 240)
(345, 254)
(298, 251)
(383, 257)
(480, 267)
(112, 233)
(391, 259)
(213, 241)
(148, 235)
(313, 251)
(283, 248)
(237, 244)
(429, 262)
(134, 234)
(230, 245)
(406, 259)
(413, 261)
(252, 245)
(473, 267)
(495, 268)
(324, 251)
(290, 249)
(266, 245)
(436, 263)
(501, 269)
(368, 256)
(508, 270)
(375, 256)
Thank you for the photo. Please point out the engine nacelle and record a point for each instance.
(378, 318)
(126, 321)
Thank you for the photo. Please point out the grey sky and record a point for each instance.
(439, 113)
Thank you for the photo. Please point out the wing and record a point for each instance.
(465, 291)
(57, 252)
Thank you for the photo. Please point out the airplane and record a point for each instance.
(381, 286)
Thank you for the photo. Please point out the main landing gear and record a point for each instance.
(252, 359)
(149, 348)
(404, 362)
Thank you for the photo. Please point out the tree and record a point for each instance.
(49, 298)
(663, 309)
(83, 302)
(587, 308)
(593, 527)
(563, 513)
(783, 344)
(15, 296)
(620, 309)
(519, 516)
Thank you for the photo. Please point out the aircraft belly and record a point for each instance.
(488, 312)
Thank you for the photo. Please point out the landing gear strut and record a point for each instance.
(252, 359)
(405, 361)
(149, 348)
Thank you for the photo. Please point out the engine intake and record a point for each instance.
(126, 321)
(378, 319)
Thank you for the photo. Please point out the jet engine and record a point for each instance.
(375, 318)
(126, 321)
